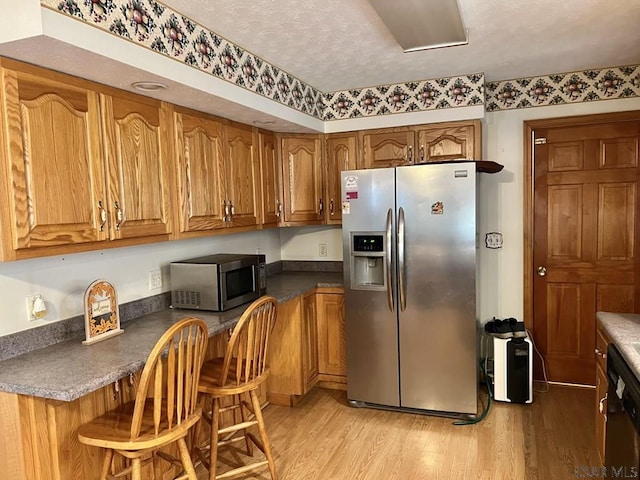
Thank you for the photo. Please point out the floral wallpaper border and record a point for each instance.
(564, 88)
(155, 26)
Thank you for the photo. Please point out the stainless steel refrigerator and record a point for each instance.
(409, 236)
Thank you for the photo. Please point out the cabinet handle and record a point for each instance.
(321, 206)
(600, 354)
(119, 215)
(331, 207)
(103, 215)
(116, 389)
(131, 380)
(225, 215)
(421, 153)
(232, 210)
(601, 404)
(278, 208)
(410, 155)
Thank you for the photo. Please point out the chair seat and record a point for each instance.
(113, 429)
(210, 374)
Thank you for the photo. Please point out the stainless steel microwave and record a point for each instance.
(217, 282)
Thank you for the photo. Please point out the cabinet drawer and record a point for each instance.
(601, 348)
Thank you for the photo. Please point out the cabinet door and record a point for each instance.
(271, 204)
(302, 180)
(332, 355)
(310, 341)
(601, 410)
(451, 141)
(340, 155)
(243, 172)
(135, 131)
(387, 148)
(200, 172)
(53, 159)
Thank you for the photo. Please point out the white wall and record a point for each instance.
(303, 243)
(62, 280)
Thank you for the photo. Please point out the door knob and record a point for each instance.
(542, 271)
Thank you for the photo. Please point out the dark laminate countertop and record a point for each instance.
(68, 370)
(624, 331)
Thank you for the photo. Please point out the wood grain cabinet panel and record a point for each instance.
(200, 172)
(340, 154)
(217, 172)
(52, 161)
(243, 176)
(136, 130)
(602, 342)
(332, 356)
(438, 142)
(310, 341)
(302, 180)
(271, 204)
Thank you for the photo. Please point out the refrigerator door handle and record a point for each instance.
(389, 261)
(401, 273)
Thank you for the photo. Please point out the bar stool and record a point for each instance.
(138, 429)
(239, 374)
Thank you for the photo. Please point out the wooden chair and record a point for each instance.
(165, 408)
(239, 374)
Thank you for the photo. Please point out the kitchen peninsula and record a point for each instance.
(46, 394)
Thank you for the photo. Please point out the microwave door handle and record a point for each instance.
(389, 261)
(401, 265)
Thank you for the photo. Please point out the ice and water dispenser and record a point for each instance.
(368, 253)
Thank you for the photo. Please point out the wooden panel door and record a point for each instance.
(451, 141)
(585, 231)
(302, 180)
(340, 154)
(387, 148)
(332, 355)
(53, 158)
(243, 173)
(310, 341)
(270, 180)
(136, 133)
(200, 172)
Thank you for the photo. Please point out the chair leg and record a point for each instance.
(215, 425)
(136, 469)
(106, 464)
(243, 417)
(185, 457)
(263, 434)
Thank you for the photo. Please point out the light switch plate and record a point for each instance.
(493, 240)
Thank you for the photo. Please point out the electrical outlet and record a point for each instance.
(323, 250)
(155, 279)
(36, 307)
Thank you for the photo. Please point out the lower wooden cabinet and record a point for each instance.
(332, 355)
(602, 341)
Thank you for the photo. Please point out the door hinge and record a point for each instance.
(541, 141)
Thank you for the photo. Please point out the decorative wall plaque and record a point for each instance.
(101, 316)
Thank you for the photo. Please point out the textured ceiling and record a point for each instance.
(337, 45)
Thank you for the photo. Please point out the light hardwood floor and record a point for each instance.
(324, 439)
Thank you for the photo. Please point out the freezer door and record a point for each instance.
(370, 314)
(437, 268)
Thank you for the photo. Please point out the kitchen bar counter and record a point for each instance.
(624, 331)
(68, 370)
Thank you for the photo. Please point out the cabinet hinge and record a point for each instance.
(541, 141)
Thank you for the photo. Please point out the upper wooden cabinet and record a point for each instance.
(242, 176)
(135, 132)
(200, 172)
(271, 205)
(84, 165)
(217, 174)
(302, 180)
(394, 147)
(340, 154)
